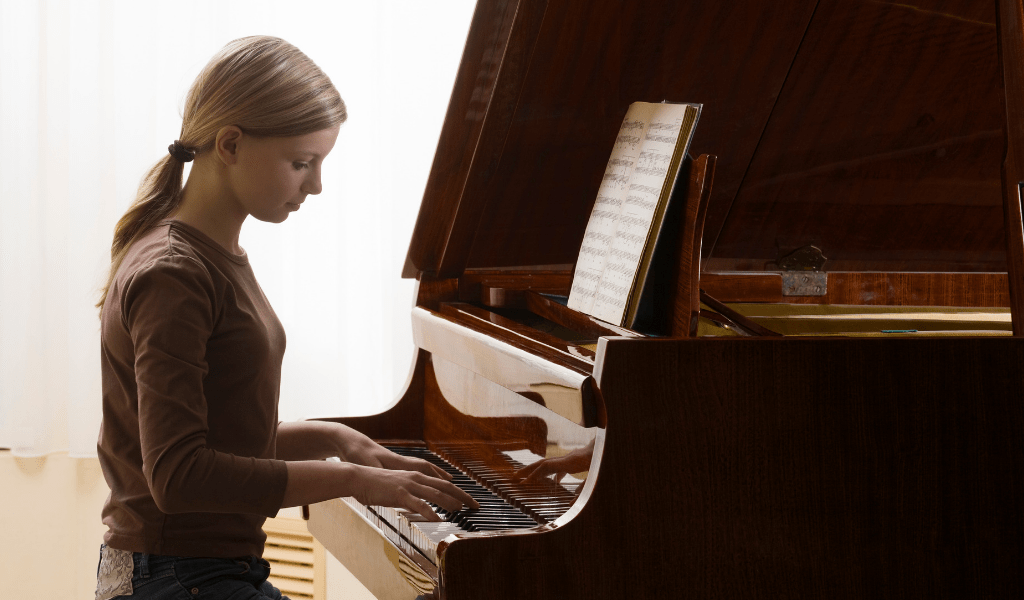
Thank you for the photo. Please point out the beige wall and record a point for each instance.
(51, 531)
(50, 523)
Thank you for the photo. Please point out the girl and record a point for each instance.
(190, 444)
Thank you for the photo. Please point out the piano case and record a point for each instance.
(849, 160)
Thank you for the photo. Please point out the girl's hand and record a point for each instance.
(312, 481)
(410, 490)
(315, 440)
(574, 462)
(370, 473)
(361, 450)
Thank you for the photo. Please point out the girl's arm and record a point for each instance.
(371, 473)
(314, 440)
(315, 481)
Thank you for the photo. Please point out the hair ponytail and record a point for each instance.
(158, 197)
(260, 84)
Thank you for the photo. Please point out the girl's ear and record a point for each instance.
(226, 144)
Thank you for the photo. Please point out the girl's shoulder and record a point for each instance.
(161, 249)
(177, 265)
(177, 246)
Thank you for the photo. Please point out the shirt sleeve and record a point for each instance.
(169, 310)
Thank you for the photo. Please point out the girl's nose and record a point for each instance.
(312, 185)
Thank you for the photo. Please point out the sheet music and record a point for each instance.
(621, 221)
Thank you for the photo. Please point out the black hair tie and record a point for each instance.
(180, 152)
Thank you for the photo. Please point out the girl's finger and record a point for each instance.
(439, 498)
(528, 470)
(453, 491)
(434, 471)
(421, 466)
(423, 509)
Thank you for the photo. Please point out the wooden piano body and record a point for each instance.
(810, 466)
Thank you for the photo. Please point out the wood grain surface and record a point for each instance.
(884, 146)
(1011, 58)
(769, 468)
(892, 289)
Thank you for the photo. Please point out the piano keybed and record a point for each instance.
(486, 474)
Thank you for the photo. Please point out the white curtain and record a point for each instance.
(90, 96)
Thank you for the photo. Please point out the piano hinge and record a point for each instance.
(802, 273)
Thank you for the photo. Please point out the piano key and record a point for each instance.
(543, 501)
(497, 511)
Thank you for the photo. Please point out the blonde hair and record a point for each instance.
(264, 86)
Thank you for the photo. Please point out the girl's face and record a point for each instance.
(272, 176)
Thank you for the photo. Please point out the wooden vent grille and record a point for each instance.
(296, 560)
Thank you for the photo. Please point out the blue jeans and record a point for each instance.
(156, 577)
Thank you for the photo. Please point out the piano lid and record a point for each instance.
(872, 129)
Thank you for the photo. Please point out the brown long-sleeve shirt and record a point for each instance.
(191, 367)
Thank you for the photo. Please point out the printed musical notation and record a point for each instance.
(618, 170)
(645, 189)
(651, 159)
(628, 238)
(578, 291)
(627, 140)
(618, 290)
(619, 179)
(632, 222)
(629, 133)
(581, 290)
(641, 202)
(663, 127)
(652, 171)
(623, 254)
(609, 300)
(653, 163)
(621, 268)
(597, 235)
(666, 133)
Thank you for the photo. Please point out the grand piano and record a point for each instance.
(827, 400)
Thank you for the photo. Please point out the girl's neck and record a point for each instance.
(206, 206)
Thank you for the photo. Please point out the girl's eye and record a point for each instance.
(300, 165)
